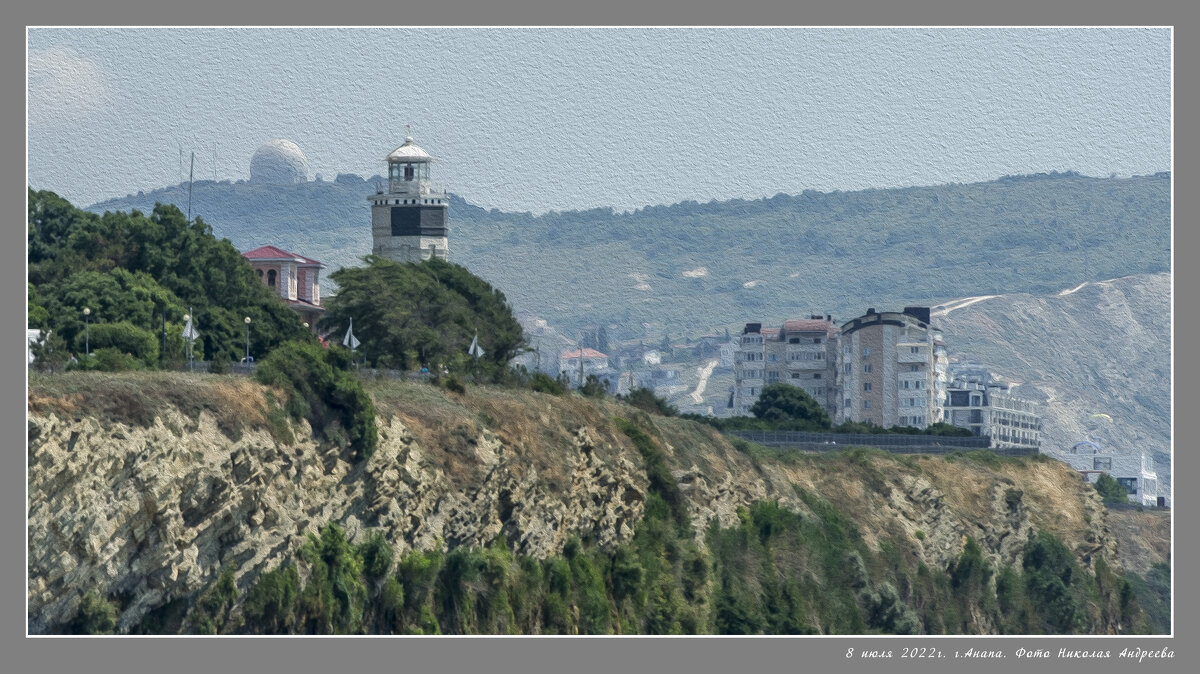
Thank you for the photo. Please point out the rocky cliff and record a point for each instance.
(147, 502)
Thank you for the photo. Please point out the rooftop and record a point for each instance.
(587, 353)
(807, 325)
(263, 253)
(409, 152)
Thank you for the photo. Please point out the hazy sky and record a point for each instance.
(537, 119)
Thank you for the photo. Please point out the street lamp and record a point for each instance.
(247, 340)
(87, 332)
(187, 342)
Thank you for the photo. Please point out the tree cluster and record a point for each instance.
(137, 272)
(409, 316)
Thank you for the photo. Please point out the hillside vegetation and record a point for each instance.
(502, 510)
(694, 267)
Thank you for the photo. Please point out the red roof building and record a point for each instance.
(295, 277)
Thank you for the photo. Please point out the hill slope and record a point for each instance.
(692, 267)
(1098, 348)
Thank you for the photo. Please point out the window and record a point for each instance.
(866, 351)
(795, 375)
(913, 367)
(847, 405)
(793, 340)
(1130, 484)
(914, 349)
(773, 375)
(846, 368)
(408, 172)
(774, 358)
(867, 367)
(867, 386)
(1102, 463)
(816, 340)
(866, 404)
(271, 278)
(259, 274)
(817, 375)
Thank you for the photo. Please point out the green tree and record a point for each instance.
(790, 406)
(413, 315)
(134, 268)
(1111, 490)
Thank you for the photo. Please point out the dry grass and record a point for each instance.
(138, 398)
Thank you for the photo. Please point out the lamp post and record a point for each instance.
(87, 332)
(187, 342)
(247, 340)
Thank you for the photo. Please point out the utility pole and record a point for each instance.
(191, 173)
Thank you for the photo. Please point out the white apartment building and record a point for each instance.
(800, 353)
(992, 410)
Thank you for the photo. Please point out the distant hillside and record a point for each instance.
(691, 267)
(1102, 348)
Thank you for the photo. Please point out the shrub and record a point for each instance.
(212, 611)
(270, 606)
(1111, 490)
(109, 360)
(645, 400)
(96, 616)
(593, 387)
(454, 384)
(321, 389)
(544, 383)
(783, 403)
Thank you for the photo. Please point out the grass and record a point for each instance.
(138, 398)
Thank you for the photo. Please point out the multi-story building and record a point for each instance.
(891, 369)
(800, 353)
(992, 410)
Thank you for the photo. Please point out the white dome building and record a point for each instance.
(279, 162)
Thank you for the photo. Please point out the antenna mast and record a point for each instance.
(191, 173)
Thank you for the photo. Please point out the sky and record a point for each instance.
(560, 119)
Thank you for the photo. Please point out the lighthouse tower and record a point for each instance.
(408, 221)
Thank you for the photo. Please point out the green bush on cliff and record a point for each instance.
(321, 389)
(96, 616)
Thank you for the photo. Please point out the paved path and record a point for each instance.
(943, 309)
(704, 374)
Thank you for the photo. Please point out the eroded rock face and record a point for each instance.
(154, 514)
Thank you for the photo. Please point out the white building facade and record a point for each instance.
(800, 353)
(992, 410)
(1133, 470)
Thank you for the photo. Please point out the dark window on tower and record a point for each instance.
(271, 278)
(408, 172)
